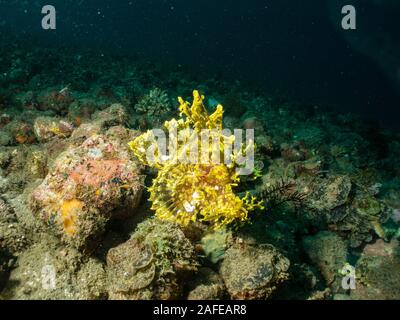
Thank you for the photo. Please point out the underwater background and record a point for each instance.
(84, 216)
(294, 48)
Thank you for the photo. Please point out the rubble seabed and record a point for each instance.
(75, 217)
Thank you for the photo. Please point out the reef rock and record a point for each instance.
(115, 115)
(19, 166)
(329, 254)
(12, 235)
(21, 131)
(253, 271)
(207, 285)
(5, 138)
(47, 128)
(215, 244)
(55, 100)
(332, 193)
(47, 271)
(153, 264)
(88, 185)
(12, 239)
(377, 272)
(4, 120)
(81, 110)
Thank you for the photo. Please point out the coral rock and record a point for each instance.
(215, 244)
(22, 132)
(55, 100)
(207, 285)
(88, 185)
(377, 272)
(12, 235)
(48, 272)
(4, 120)
(115, 115)
(332, 193)
(252, 122)
(5, 138)
(47, 128)
(253, 272)
(328, 252)
(153, 264)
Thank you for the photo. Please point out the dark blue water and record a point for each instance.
(296, 48)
